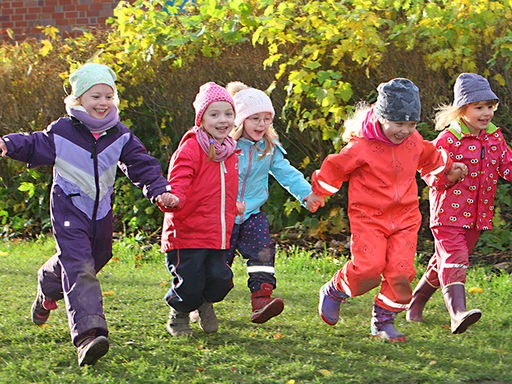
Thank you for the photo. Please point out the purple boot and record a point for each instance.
(329, 303)
(383, 325)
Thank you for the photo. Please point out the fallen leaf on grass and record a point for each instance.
(446, 326)
(164, 283)
(278, 335)
(291, 381)
(233, 368)
(475, 290)
(108, 293)
(199, 370)
(115, 258)
(324, 372)
(2, 253)
(45, 325)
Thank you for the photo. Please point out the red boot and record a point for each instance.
(263, 306)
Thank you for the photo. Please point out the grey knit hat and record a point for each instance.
(398, 100)
(471, 88)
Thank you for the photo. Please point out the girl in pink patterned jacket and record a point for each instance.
(459, 212)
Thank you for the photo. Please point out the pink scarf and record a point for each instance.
(371, 129)
(222, 151)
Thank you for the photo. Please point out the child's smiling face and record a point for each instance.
(477, 116)
(218, 120)
(255, 126)
(397, 131)
(98, 100)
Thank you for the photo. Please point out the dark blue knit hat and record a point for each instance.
(471, 88)
(398, 100)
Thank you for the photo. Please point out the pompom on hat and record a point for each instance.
(209, 93)
(398, 100)
(471, 88)
(250, 101)
(90, 74)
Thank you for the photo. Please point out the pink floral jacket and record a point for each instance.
(470, 203)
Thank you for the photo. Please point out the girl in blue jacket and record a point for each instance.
(261, 154)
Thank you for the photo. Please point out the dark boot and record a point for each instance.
(41, 308)
(91, 347)
(455, 299)
(263, 306)
(383, 325)
(178, 324)
(424, 290)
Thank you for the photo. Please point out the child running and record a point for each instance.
(458, 213)
(380, 160)
(203, 173)
(260, 155)
(85, 150)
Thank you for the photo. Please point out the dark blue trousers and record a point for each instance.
(198, 275)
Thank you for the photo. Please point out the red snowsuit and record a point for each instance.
(459, 212)
(383, 212)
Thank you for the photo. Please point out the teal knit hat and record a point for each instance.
(91, 74)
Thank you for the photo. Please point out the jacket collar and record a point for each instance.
(460, 129)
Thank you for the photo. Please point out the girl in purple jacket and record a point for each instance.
(85, 149)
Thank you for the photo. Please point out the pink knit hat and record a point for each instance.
(250, 101)
(208, 93)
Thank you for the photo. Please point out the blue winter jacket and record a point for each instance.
(253, 176)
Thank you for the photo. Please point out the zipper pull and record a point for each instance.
(482, 155)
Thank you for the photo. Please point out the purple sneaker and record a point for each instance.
(329, 303)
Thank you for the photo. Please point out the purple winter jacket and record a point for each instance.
(84, 168)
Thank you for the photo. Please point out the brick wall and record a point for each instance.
(23, 16)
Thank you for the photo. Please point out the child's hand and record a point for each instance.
(313, 202)
(3, 148)
(240, 207)
(458, 171)
(166, 201)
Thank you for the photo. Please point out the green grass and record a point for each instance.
(296, 347)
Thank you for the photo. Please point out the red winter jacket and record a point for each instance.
(470, 203)
(207, 190)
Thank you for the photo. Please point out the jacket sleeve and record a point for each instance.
(335, 170)
(143, 170)
(288, 176)
(435, 163)
(505, 168)
(35, 148)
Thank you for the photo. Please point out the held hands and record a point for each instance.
(167, 201)
(458, 171)
(240, 207)
(313, 202)
(3, 148)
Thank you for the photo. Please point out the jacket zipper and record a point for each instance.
(94, 156)
(242, 193)
(223, 203)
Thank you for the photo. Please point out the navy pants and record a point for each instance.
(198, 275)
(252, 240)
(84, 247)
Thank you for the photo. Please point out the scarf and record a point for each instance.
(94, 125)
(222, 151)
(371, 129)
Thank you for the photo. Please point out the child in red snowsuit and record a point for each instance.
(381, 159)
(458, 213)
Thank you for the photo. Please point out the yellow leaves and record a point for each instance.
(3, 253)
(108, 293)
(164, 283)
(324, 372)
(291, 381)
(46, 48)
(45, 325)
(278, 335)
(475, 290)
(499, 79)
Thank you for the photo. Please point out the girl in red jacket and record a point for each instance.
(203, 173)
(381, 158)
(458, 213)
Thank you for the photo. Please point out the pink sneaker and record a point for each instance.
(41, 309)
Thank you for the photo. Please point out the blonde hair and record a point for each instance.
(353, 124)
(270, 137)
(447, 115)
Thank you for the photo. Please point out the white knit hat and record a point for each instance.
(250, 101)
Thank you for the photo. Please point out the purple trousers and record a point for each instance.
(84, 246)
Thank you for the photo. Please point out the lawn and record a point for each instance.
(296, 347)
